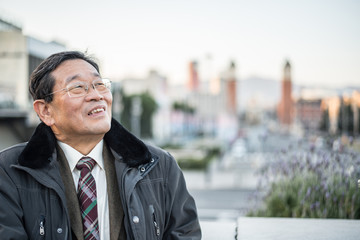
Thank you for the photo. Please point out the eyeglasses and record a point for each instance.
(79, 89)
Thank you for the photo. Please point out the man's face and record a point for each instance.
(79, 117)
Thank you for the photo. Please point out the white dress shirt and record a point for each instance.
(98, 172)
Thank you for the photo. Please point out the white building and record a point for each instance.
(19, 56)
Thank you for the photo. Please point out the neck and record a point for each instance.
(84, 145)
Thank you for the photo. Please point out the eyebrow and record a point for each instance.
(71, 78)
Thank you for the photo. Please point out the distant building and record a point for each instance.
(7, 25)
(332, 106)
(285, 107)
(19, 56)
(309, 113)
(216, 112)
(343, 113)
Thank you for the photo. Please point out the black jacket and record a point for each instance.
(153, 192)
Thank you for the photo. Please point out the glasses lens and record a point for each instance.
(103, 86)
(80, 89)
(77, 90)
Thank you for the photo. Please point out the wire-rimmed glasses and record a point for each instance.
(79, 89)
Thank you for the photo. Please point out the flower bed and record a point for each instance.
(310, 184)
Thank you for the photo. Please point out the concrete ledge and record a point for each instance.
(248, 228)
(297, 228)
(218, 230)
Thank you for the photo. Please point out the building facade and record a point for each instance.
(309, 113)
(19, 56)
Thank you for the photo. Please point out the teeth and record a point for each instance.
(97, 110)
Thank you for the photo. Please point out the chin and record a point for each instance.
(106, 126)
(101, 127)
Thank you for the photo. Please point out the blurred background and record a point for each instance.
(246, 95)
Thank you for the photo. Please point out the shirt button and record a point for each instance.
(142, 169)
(136, 219)
(59, 230)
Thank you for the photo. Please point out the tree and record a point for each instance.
(346, 119)
(148, 106)
(187, 112)
(183, 107)
(325, 121)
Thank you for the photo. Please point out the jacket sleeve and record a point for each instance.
(182, 222)
(11, 226)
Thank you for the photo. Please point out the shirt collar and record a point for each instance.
(73, 156)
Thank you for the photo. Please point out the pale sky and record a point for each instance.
(321, 38)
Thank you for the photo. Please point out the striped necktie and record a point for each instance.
(87, 198)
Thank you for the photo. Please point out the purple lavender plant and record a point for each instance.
(313, 183)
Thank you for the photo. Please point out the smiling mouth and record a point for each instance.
(97, 110)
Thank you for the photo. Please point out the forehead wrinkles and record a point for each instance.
(73, 69)
(80, 77)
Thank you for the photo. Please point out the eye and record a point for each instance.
(106, 84)
(99, 84)
(77, 88)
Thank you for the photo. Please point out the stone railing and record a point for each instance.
(249, 228)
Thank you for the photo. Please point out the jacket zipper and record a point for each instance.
(156, 225)
(42, 225)
(56, 188)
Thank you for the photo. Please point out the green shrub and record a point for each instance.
(311, 185)
(201, 163)
(192, 164)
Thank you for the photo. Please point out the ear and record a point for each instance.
(43, 110)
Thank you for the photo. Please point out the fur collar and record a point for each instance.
(41, 146)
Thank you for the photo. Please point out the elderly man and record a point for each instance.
(82, 175)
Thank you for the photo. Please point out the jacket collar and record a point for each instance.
(41, 146)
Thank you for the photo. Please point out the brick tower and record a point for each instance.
(231, 89)
(285, 107)
(193, 80)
